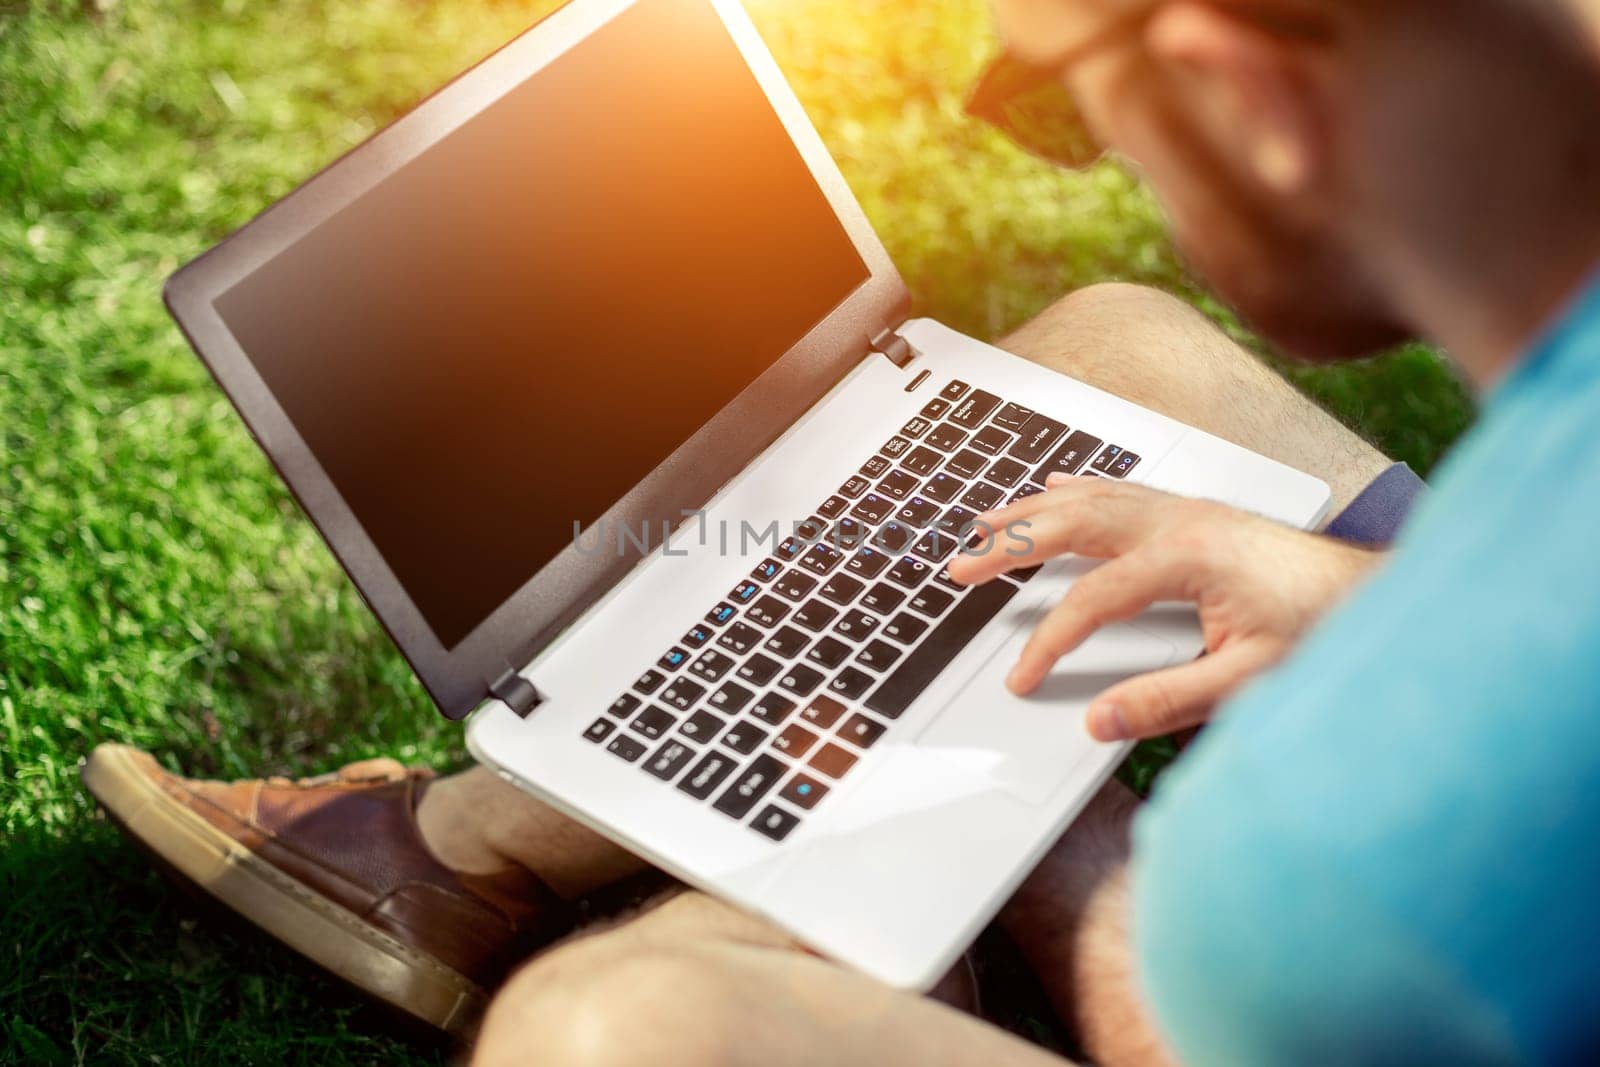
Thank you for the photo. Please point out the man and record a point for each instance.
(1384, 849)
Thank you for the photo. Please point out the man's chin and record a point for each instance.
(1325, 338)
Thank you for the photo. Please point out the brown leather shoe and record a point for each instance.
(335, 868)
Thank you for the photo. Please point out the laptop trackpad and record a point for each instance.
(1029, 745)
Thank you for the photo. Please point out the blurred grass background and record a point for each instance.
(159, 586)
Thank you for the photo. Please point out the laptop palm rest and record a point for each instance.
(1029, 746)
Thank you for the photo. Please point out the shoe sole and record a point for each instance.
(334, 938)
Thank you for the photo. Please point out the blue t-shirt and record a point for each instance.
(1388, 850)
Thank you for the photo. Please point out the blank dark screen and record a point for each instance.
(509, 332)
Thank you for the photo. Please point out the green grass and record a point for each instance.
(160, 587)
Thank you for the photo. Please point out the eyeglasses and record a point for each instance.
(1031, 104)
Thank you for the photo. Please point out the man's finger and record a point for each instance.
(1112, 592)
(1096, 525)
(1159, 703)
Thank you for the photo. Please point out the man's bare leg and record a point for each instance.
(1153, 349)
(697, 982)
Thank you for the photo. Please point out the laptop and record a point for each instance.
(596, 380)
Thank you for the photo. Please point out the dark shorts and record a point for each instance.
(1375, 516)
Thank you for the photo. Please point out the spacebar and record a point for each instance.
(983, 603)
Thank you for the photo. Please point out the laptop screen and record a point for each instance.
(509, 332)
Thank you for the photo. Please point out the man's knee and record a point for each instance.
(1143, 345)
(612, 1001)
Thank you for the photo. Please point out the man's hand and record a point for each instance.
(1258, 586)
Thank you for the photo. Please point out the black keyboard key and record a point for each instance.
(874, 467)
(918, 511)
(972, 411)
(1124, 465)
(991, 441)
(829, 652)
(928, 659)
(666, 761)
(966, 464)
(769, 611)
(775, 823)
(730, 699)
(935, 545)
(649, 682)
(682, 694)
(833, 507)
(1026, 491)
(740, 638)
(873, 508)
(854, 487)
(803, 791)
(909, 572)
(957, 522)
(833, 760)
(702, 726)
(915, 428)
(842, 589)
(795, 741)
(759, 669)
(942, 576)
(983, 497)
(711, 665)
(801, 680)
(895, 447)
(704, 777)
(894, 538)
(954, 391)
(878, 655)
(599, 730)
(1035, 438)
(851, 683)
(674, 659)
(822, 712)
(1107, 456)
(790, 548)
(922, 460)
(744, 592)
(867, 563)
(862, 731)
(624, 705)
(653, 722)
(935, 408)
(721, 614)
(932, 602)
(820, 560)
(772, 708)
(946, 438)
(943, 488)
(1013, 416)
(815, 616)
(848, 533)
(787, 642)
(811, 530)
(753, 783)
(856, 625)
(697, 635)
(1071, 455)
(882, 598)
(1007, 472)
(766, 570)
(899, 484)
(1020, 576)
(744, 738)
(626, 747)
(905, 628)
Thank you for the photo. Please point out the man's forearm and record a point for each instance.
(1073, 920)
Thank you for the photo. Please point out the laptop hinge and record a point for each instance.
(517, 692)
(897, 349)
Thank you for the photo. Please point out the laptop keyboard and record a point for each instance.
(772, 696)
